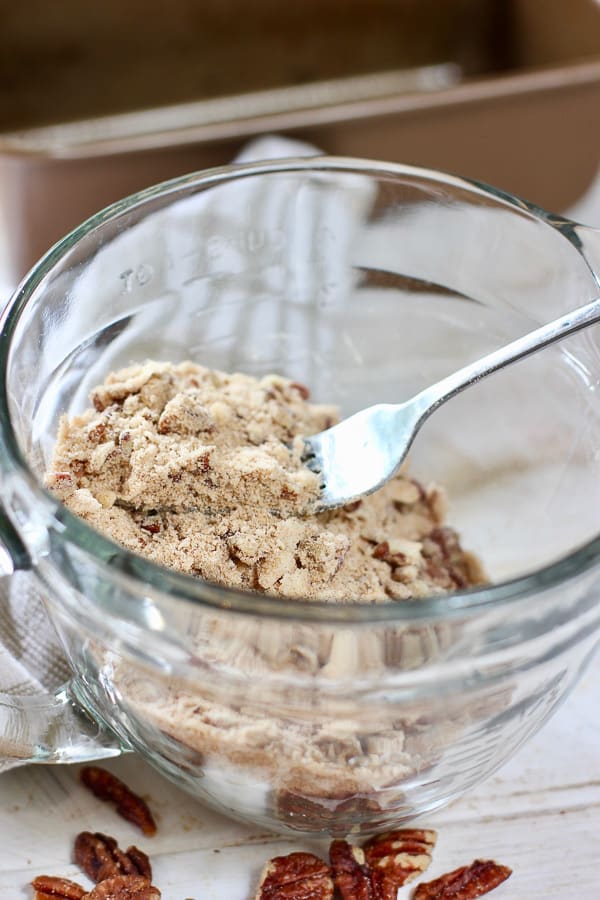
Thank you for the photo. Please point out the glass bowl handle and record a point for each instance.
(44, 728)
(51, 728)
(587, 240)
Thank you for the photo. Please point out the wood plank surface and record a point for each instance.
(540, 814)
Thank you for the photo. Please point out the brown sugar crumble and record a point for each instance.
(200, 471)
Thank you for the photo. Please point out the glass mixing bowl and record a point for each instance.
(366, 282)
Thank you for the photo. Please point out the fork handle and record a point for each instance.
(433, 396)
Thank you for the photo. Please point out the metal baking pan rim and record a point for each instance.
(285, 108)
(70, 138)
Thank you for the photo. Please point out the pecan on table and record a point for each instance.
(298, 876)
(351, 875)
(397, 857)
(130, 806)
(124, 887)
(465, 883)
(50, 886)
(100, 857)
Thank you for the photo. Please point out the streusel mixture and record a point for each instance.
(200, 471)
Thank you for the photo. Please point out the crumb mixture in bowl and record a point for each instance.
(200, 471)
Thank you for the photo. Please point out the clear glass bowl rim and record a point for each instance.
(115, 560)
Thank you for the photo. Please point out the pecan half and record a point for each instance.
(465, 883)
(298, 876)
(51, 886)
(100, 857)
(130, 806)
(397, 857)
(351, 875)
(124, 887)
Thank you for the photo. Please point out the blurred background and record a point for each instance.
(99, 100)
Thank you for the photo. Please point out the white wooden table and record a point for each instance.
(540, 814)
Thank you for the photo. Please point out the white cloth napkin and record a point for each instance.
(32, 661)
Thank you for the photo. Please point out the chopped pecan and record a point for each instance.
(100, 857)
(50, 886)
(62, 478)
(97, 433)
(124, 887)
(397, 857)
(465, 883)
(421, 489)
(62, 484)
(202, 463)
(152, 527)
(446, 563)
(441, 574)
(381, 550)
(351, 875)
(301, 388)
(79, 467)
(298, 876)
(447, 540)
(130, 806)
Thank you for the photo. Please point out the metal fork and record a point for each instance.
(357, 456)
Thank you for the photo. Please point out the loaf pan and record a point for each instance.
(506, 92)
